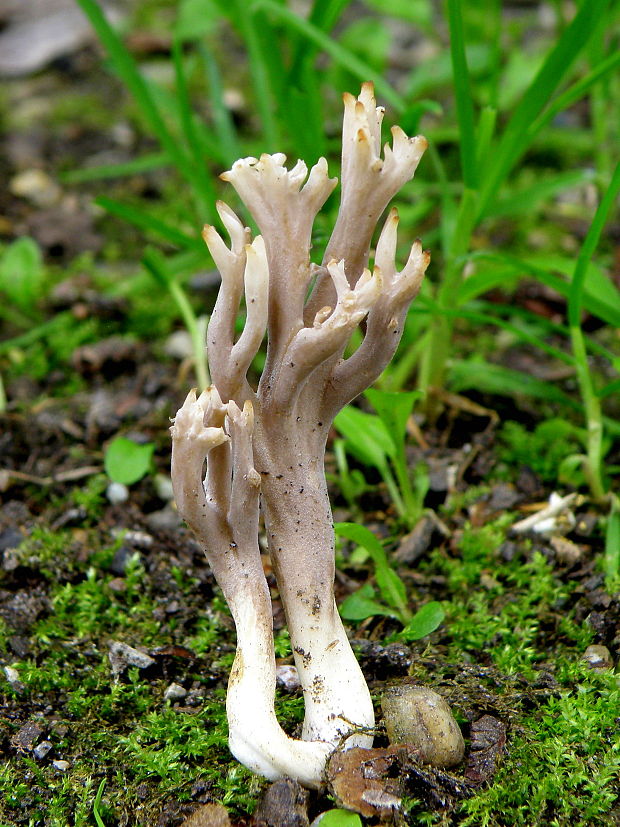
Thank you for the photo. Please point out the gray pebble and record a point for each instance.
(42, 749)
(121, 655)
(117, 492)
(287, 677)
(175, 692)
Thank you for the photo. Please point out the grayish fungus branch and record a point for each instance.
(269, 442)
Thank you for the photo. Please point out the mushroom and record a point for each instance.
(266, 446)
(222, 510)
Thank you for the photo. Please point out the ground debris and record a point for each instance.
(598, 657)
(488, 739)
(415, 544)
(22, 608)
(27, 736)
(284, 804)
(391, 660)
(108, 357)
(373, 782)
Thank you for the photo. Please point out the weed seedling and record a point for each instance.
(363, 603)
(378, 441)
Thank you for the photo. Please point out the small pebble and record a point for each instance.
(420, 717)
(12, 676)
(117, 493)
(566, 551)
(164, 519)
(138, 538)
(42, 749)
(287, 677)
(179, 345)
(123, 556)
(121, 656)
(163, 487)
(35, 186)
(597, 657)
(59, 728)
(175, 692)
(117, 585)
(488, 582)
(63, 766)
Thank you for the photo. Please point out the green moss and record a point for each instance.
(5, 633)
(91, 496)
(505, 609)
(562, 766)
(561, 763)
(543, 449)
(123, 725)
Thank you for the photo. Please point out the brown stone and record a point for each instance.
(420, 717)
(209, 815)
(284, 804)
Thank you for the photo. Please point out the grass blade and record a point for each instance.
(304, 99)
(591, 402)
(496, 379)
(324, 15)
(97, 804)
(463, 96)
(523, 335)
(146, 163)
(155, 263)
(484, 136)
(592, 300)
(612, 541)
(202, 183)
(588, 247)
(342, 56)
(223, 122)
(145, 221)
(525, 199)
(125, 66)
(516, 137)
(574, 93)
(246, 22)
(611, 387)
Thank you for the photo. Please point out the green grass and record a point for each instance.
(506, 147)
(498, 110)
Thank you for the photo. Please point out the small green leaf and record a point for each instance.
(340, 818)
(363, 537)
(21, 273)
(612, 542)
(366, 436)
(360, 605)
(394, 409)
(126, 461)
(392, 588)
(424, 621)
